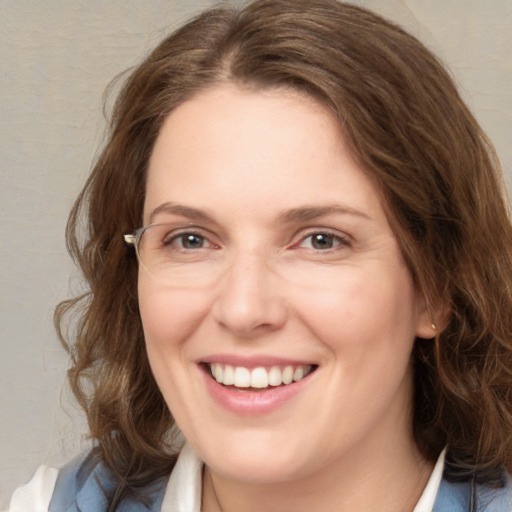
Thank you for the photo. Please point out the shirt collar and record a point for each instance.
(183, 493)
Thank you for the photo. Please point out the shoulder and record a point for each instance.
(56, 489)
(80, 480)
(82, 484)
(85, 483)
(462, 496)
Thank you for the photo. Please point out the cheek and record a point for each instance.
(169, 316)
(363, 310)
(170, 319)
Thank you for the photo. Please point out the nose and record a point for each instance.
(249, 301)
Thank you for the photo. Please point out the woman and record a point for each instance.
(299, 257)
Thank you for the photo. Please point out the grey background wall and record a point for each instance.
(56, 58)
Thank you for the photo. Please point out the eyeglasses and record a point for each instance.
(173, 256)
(188, 256)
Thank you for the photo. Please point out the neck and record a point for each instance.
(357, 482)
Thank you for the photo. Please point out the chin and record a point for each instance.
(258, 462)
(256, 471)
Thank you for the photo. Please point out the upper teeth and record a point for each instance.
(259, 377)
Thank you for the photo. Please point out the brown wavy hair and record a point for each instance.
(411, 132)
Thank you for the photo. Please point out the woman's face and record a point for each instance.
(279, 263)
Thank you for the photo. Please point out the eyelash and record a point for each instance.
(338, 241)
(182, 235)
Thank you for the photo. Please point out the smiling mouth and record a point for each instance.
(259, 378)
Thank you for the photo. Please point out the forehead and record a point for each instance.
(254, 149)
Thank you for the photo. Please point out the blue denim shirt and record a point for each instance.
(453, 497)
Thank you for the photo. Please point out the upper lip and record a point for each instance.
(253, 361)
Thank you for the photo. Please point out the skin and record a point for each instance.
(258, 286)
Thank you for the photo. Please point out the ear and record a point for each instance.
(426, 328)
(431, 320)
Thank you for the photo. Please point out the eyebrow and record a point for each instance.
(301, 214)
(307, 213)
(181, 210)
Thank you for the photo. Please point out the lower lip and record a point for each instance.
(252, 403)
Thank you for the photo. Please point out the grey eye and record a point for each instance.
(190, 241)
(323, 241)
